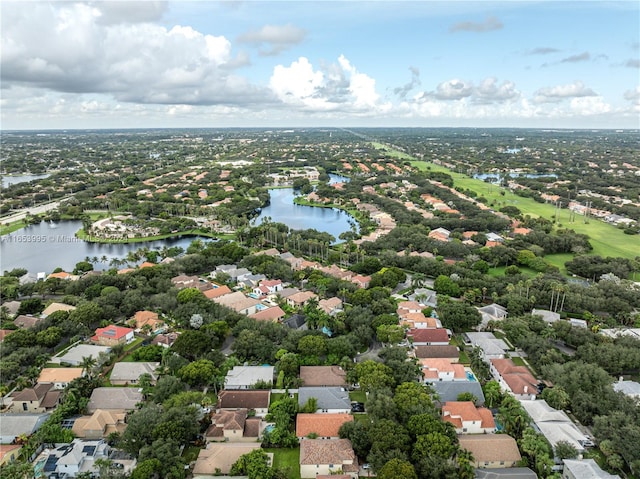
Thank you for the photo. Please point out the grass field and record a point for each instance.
(607, 240)
(359, 396)
(288, 459)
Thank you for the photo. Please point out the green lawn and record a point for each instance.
(518, 362)
(464, 358)
(607, 240)
(288, 459)
(11, 227)
(190, 454)
(358, 396)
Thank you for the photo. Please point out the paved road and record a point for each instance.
(371, 353)
(20, 215)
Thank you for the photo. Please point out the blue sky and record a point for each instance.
(334, 63)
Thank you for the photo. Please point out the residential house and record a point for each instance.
(38, 399)
(506, 473)
(55, 307)
(628, 388)
(440, 234)
(100, 424)
(165, 340)
(361, 281)
(239, 303)
(428, 337)
(12, 307)
(246, 377)
(451, 353)
(555, 425)
(450, 391)
(419, 321)
(64, 276)
(491, 347)
(9, 453)
(26, 322)
(275, 313)
(217, 291)
(331, 306)
(113, 335)
(75, 355)
(491, 312)
(147, 320)
(438, 369)
(184, 281)
(547, 316)
(16, 424)
(250, 280)
(584, 469)
(256, 400)
(467, 418)
(408, 307)
(79, 456)
(114, 398)
(328, 399)
(234, 426)
(323, 376)
(491, 450)
(59, 377)
(425, 297)
(517, 380)
(267, 287)
(322, 426)
(326, 456)
(298, 300)
(218, 457)
(128, 373)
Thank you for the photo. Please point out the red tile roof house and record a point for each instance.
(448, 352)
(274, 313)
(324, 456)
(112, 335)
(429, 337)
(361, 281)
(441, 369)
(256, 400)
(323, 426)
(234, 426)
(517, 380)
(467, 418)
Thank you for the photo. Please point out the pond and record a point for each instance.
(282, 209)
(15, 179)
(46, 246)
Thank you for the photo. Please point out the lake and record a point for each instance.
(14, 180)
(282, 209)
(45, 247)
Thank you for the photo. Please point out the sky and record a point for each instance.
(217, 64)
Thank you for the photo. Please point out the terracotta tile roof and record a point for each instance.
(217, 292)
(437, 352)
(437, 335)
(456, 412)
(26, 322)
(328, 451)
(519, 379)
(4, 333)
(324, 425)
(111, 332)
(233, 399)
(252, 427)
(269, 314)
(5, 449)
(322, 376)
(54, 375)
(491, 447)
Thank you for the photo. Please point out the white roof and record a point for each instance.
(128, 371)
(630, 388)
(486, 341)
(555, 425)
(248, 376)
(74, 355)
(586, 469)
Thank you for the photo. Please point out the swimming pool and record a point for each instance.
(38, 467)
(470, 376)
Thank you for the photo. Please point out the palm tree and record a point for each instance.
(88, 363)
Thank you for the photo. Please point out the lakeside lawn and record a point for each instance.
(196, 232)
(607, 240)
(5, 229)
(288, 459)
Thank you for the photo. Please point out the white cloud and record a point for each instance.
(633, 95)
(276, 37)
(558, 93)
(453, 90)
(135, 62)
(489, 91)
(333, 87)
(589, 105)
(129, 11)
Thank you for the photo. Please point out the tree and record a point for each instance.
(556, 397)
(412, 399)
(192, 344)
(198, 373)
(492, 394)
(254, 465)
(190, 295)
(88, 363)
(358, 433)
(390, 333)
(396, 468)
(565, 450)
(458, 316)
(372, 375)
(312, 346)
